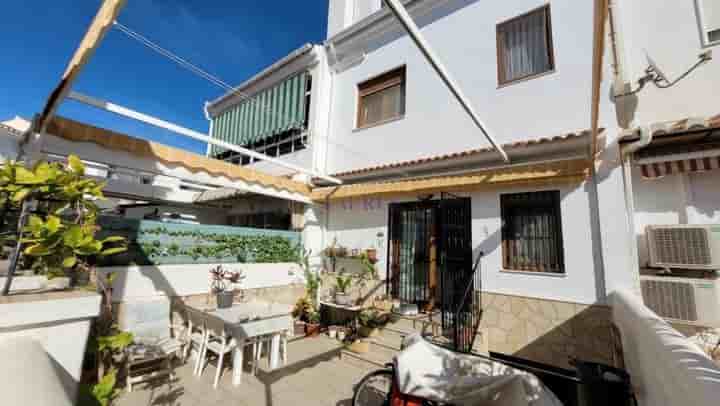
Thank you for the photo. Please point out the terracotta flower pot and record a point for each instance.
(312, 329)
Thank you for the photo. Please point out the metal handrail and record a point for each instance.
(469, 286)
(462, 303)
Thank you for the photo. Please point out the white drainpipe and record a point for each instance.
(626, 153)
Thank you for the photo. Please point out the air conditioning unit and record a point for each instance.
(684, 246)
(685, 299)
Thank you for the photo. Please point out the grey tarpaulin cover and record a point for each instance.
(431, 372)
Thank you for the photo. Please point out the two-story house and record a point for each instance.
(412, 162)
(554, 81)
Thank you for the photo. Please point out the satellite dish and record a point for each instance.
(654, 68)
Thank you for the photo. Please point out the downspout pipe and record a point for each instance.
(626, 154)
(646, 137)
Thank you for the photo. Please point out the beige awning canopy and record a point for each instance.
(562, 171)
(79, 132)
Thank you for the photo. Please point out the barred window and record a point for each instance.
(532, 232)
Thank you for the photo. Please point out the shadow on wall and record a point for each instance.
(548, 332)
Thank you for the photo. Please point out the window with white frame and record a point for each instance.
(709, 19)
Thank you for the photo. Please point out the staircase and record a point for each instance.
(389, 341)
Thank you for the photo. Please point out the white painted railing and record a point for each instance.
(665, 367)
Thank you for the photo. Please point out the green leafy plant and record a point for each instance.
(303, 307)
(200, 247)
(105, 391)
(343, 283)
(313, 281)
(372, 318)
(60, 236)
(313, 317)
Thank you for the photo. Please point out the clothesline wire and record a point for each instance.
(184, 63)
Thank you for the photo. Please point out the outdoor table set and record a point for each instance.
(254, 323)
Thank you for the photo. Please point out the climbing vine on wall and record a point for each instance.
(152, 244)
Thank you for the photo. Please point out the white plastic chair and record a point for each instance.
(264, 343)
(261, 343)
(196, 334)
(218, 343)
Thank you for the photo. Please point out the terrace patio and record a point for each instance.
(315, 374)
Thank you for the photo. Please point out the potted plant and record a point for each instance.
(312, 328)
(342, 295)
(371, 321)
(219, 281)
(300, 312)
(371, 255)
(332, 331)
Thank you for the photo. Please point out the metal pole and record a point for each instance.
(399, 10)
(166, 125)
(18, 246)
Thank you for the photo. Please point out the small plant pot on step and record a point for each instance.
(341, 334)
(360, 346)
(224, 299)
(332, 331)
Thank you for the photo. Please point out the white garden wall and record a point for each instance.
(59, 321)
(665, 368)
(141, 282)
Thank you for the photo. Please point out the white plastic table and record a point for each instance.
(252, 319)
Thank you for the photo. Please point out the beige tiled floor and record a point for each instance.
(314, 375)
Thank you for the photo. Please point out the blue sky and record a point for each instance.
(229, 38)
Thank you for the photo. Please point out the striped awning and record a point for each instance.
(273, 111)
(659, 169)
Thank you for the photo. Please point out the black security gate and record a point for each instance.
(459, 299)
(413, 227)
(430, 263)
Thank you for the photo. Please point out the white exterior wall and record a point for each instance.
(143, 282)
(675, 199)
(669, 32)
(465, 40)
(343, 13)
(355, 223)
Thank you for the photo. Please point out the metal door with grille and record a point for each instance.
(459, 299)
(411, 250)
